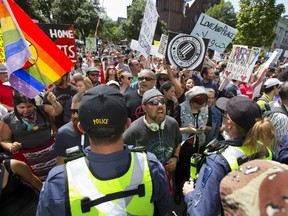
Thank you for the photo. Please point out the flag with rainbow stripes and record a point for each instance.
(33, 61)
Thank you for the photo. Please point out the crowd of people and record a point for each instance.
(121, 133)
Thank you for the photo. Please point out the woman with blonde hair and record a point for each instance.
(82, 84)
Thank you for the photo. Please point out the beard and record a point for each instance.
(75, 121)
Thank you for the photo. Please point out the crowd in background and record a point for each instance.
(177, 105)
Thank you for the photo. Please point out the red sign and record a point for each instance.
(63, 36)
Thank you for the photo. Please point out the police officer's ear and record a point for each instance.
(127, 124)
(79, 126)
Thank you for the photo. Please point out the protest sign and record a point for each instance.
(90, 44)
(147, 29)
(285, 55)
(134, 44)
(241, 63)
(279, 52)
(2, 53)
(162, 46)
(63, 36)
(186, 51)
(257, 90)
(219, 33)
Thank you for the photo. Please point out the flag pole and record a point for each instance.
(23, 38)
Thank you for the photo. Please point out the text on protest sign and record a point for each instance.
(241, 63)
(63, 36)
(219, 33)
(147, 29)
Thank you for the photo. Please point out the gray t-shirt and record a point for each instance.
(162, 143)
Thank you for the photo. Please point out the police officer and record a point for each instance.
(111, 179)
(248, 137)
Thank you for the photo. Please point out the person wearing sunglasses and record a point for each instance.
(249, 137)
(93, 73)
(125, 80)
(156, 131)
(192, 116)
(69, 136)
(146, 81)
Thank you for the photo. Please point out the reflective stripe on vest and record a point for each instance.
(82, 183)
(232, 154)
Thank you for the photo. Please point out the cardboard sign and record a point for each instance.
(219, 33)
(241, 63)
(186, 51)
(63, 36)
(147, 31)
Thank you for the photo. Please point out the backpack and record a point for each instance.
(254, 188)
(268, 110)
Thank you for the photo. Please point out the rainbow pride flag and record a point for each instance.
(33, 61)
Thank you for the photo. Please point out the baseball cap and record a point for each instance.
(243, 111)
(271, 82)
(113, 82)
(3, 68)
(99, 111)
(92, 69)
(196, 90)
(272, 69)
(150, 94)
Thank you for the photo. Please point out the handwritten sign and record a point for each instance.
(241, 63)
(2, 53)
(219, 33)
(63, 36)
(147, 29)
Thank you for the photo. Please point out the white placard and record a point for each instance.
(162, 46)
(219, 33)
(241, 63)
(147, 31)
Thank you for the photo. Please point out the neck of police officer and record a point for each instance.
(106, 147)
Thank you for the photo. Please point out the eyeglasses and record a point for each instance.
(94, 75)
(156, 102)
(146, 78)
(137, 64)
(73, 111)
(163, 79)
(129, 78)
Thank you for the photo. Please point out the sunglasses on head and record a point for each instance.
(163, 79)
(146, 78)
(200, 99)
(73, 111)
(156, 102)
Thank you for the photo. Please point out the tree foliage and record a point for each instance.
(256, 22)
(130, 28)
(82, 14)
(224, 12)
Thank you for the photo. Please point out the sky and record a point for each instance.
(117, 8)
